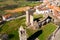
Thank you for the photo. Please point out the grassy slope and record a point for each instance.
(17, 4)
(46, 31)
(12, 5)
(38, 15)
(11, 28)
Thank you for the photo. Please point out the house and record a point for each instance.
(42, 10)
(7, 16)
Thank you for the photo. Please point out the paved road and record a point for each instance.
(57, 36)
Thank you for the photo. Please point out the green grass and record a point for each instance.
(30, 32)
(6, 5)
(38, 15)
(11, 28)
(17, 4)
(46, 31)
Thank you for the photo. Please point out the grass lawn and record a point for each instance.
(12, 4)
(38, 16)
(46, 31)
(11, 28)
(6, 5)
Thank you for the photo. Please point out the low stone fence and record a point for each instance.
(45, 15)
(52, 36)
(45, 20)
(15, 18)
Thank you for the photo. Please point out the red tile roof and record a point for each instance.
(7, 15)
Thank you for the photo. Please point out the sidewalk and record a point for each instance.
(57, 36)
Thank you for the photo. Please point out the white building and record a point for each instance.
(43, 11)
(55, 2)
(3, 18)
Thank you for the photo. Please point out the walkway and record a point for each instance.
(57, 36)
(18, 9)
(15, 18)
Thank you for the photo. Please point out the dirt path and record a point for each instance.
(18, 9)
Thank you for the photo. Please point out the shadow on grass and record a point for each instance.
(0, 29)
(35, 35)
(37, 19)
(10, 36)
(8, 7)
(2, 24)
